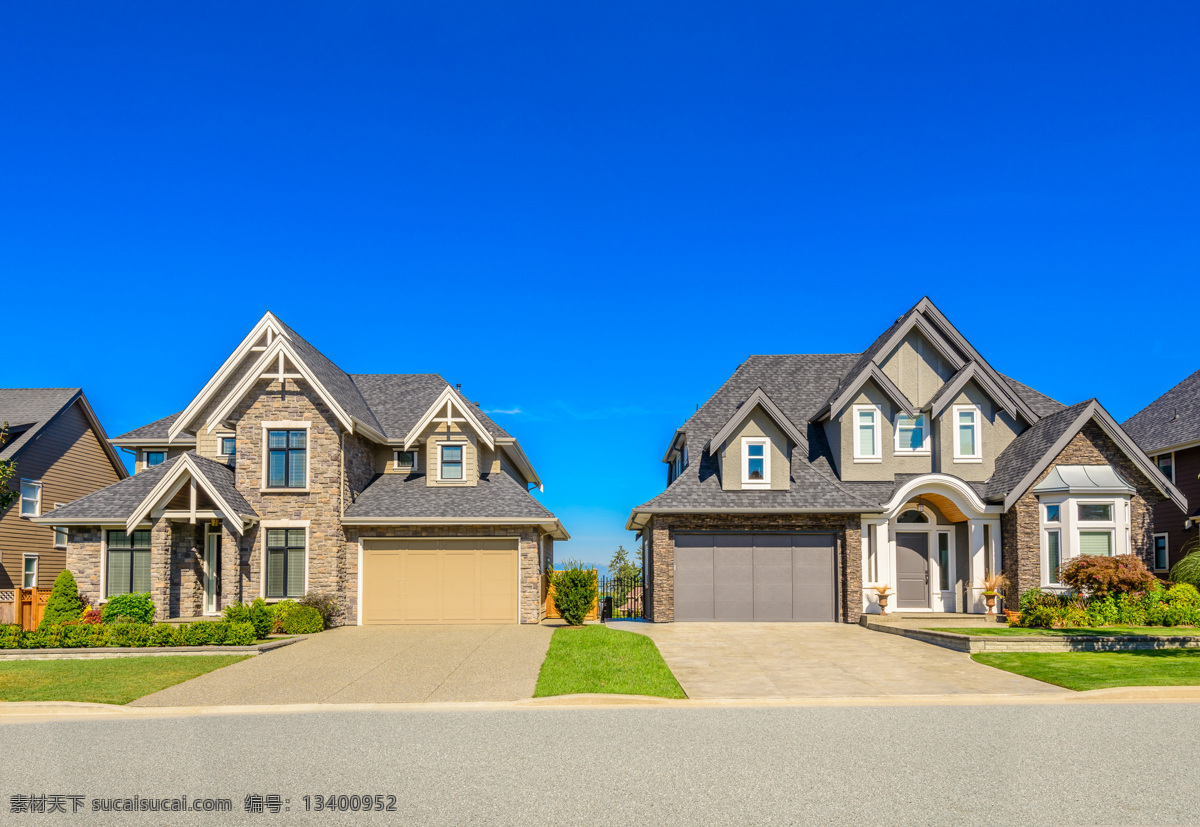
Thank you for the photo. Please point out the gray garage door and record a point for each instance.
(753, 576)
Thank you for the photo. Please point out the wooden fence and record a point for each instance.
(29, 606)
(550, 611)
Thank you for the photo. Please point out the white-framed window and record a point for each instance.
(285, 460)
(943, 538)
(404, 461)
(1162, 545)
(60, 532)
(31, 498)
(912, 434)
(867, 444)
(1074, 526)
(967, 447)
(228, 446)
(1166, 464)
(127, 567)
(452, 460)
(756, 462)
(154, 458)
(30, 572)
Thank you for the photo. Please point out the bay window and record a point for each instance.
(1075, 527)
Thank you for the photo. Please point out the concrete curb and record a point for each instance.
(100, 652)
(41, 712)
(1035, 643)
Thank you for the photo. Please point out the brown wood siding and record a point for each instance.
(69, 460)
(1168, 518)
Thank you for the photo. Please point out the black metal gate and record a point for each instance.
(621, 597)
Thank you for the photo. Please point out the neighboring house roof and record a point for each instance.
(1171, 421)
(28, 411)
(118, 503)
(400, 499)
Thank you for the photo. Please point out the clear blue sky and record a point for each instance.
(589, 215)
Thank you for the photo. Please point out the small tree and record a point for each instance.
(574, 591)
(64, 604)
(1096, 576)
(619, 565)
(8, 469)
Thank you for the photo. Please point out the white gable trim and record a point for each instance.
(270, 359)
(1095, 410)
(268, 325)
(449, 401)
(185, 470)
(757, 399)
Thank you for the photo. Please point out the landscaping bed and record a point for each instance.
(596, 659)
(1083, 631)
(116, 681)
(1101, 670)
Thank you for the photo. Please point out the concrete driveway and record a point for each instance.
(378, 664)
(806, 660)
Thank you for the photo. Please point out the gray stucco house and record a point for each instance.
(807, 480)
(286, 475)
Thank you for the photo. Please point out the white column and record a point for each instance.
(977, 568)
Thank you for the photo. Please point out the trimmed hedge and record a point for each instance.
(303, 620)
(136, 605)
(83, 635)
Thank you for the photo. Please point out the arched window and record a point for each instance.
(912, 516)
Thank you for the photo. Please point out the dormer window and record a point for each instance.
(912, 435)
(228, 446)
(756, 463)
(405, 461)
(155, 458)
(450, 464)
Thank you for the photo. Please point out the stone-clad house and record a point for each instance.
(808, 479)
(1168, 430)
(285, 475)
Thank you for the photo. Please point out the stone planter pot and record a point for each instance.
(989, 600)
(883, 601)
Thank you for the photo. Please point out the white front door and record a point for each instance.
(212, 552)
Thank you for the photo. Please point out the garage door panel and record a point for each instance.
(497, 595)
(420, 592)
(812, 583)
(773, 579)
(693, 578)
(458, 586)
(381, 591)
(733, 578)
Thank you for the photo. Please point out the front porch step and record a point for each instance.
(938, 618)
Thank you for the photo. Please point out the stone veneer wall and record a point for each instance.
(660, 552)
(1020, 526)
(83, 560)
(530, 598)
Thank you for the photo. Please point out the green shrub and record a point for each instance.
(1132, 608)
(136, 605)
(1041, 616)
(327, 604)
(77, 636)
(1183, 595)
(1187, 570)
(128, 634)
(279, 613)
(237, 613)
(1034, 597)
(207, 633)
(1102, 611)
(10, 636)
(240, 634)
(303, 620)
(45, 637)
(262, 617)
(162, 634)
(63, 605)
(574, 591)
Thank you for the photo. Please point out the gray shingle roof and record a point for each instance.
(398, 496)
(1172, 419)
(156, 431)
(1041, 404)
(399, 400)
(116, 502)
(27, 411)
(1023, 453)
(336, 381)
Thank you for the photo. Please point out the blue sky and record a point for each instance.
(590, 214)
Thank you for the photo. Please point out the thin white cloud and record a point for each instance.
(512, 412)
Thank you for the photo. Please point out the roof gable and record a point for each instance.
(759, 399)
(971, 372)
(206, 475)
(34, 409)
(443, 409)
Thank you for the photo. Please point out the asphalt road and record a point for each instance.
(1050, 764)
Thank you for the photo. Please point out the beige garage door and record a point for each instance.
(440, 581)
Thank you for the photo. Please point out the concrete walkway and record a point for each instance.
(378, 664)
(809, 660)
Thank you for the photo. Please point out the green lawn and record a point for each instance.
(105, 681)
(596, 659)
(1101, 670)
(1095, 631)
